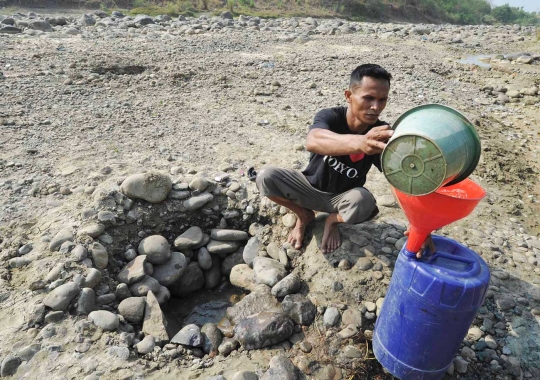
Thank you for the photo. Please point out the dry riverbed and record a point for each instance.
(88, 101)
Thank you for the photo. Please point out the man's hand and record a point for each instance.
(375, 140)
(428, 244)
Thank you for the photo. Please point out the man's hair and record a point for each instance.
(368, 70)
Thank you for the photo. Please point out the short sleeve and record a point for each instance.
(323, 119)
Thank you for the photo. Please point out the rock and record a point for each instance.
(204, 259)
(191, 237)
(8, 29)
(231, 261)
(163, 295)
(99, 255)
(268, 271)
(119, 352)
(460, 364)
(300, 309)
(228, 235)
(146, 345)
(260, 300)
(86, 302)
(282, 368)
(122, 292)
(141, 288)
(474, 333)
(61, 236)
(251, 250)
(156, 248)
(93, 230)
(212, 337)
(143, 20)
(26, 353)
(227, 15)
(60, 298)
(19, 262)
(152, 187)
(92, 278)
(243, 277)
(263, 330)
(168, 273)
(134, 271)
(222, 248)
(199, 184)
(155, 323)
(87, 20)
(196, 202)
(41, 25)
(212, 276)
(9, 367)
(289, 220)
(79, 253)
(191, 281)
(132, 309)
(348, 332)
(534, 292)
(288, 285)
(189, 335)
(504, 301)
(245, 375)
(331, 317)
(364, 263)
(105, 319)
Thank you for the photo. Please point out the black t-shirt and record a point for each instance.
(338, 174)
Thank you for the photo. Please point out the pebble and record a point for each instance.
(92, 278)
(146, 346)
(86, 302)
(228, 235)
(196, 202)
(105, 319)
(156, 248)
(99, 255)
(331, 317)
(168, 273)
(299, 308)
(61, 236)
(191, 237)
(189, 335)
(60, 298)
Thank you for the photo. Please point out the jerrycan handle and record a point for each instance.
(430, 257)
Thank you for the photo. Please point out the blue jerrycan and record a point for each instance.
(428, 309)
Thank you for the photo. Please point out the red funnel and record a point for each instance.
(447, 204)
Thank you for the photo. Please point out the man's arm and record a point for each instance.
(328, 143)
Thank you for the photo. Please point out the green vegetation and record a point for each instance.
(432, 11)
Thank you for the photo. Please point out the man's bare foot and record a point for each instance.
(297, 234)
(331, 239)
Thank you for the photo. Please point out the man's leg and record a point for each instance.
(331, 239)
(291, 189)
(354, 206)
(304, 217)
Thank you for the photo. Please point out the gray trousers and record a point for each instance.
(355, 206)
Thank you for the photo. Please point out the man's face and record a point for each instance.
(367, 100)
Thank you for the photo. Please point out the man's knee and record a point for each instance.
(358, 206)
(265, 180)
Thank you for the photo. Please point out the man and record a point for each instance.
(344, 142)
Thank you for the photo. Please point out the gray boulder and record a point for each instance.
(153, 187)
(191, 281)
(132, 309)
(263, 330)
(60, 297)
(156, 248)
(105, 319)
(168, 273)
